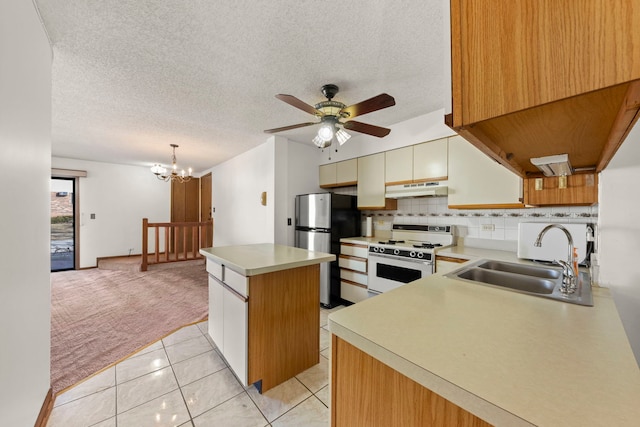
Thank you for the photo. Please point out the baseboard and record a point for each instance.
(45, 411)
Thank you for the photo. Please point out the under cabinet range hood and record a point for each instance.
(422, 189)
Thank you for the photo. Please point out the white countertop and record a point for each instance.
(251, 260)
(509, 358)
(360, 240)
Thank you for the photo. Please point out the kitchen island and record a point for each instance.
(264, 310)
(440, 351)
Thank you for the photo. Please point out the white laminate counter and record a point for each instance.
(360, 240)
(251, 260)
(509, 358)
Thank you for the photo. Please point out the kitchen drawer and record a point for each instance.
(215, 269)
(354, 250)
(353, 293)
(353, 276)
(236, 281)
(353, 263)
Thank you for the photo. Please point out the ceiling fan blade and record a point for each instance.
(372, 104)
(299, 125)
(295, 102)
(366, 128)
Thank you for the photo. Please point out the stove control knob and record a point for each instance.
(381, 250)
(396, 251)
(420, 255)
(412, 254)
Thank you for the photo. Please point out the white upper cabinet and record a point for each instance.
(371, 181)
(477, 181)
(417, 163)
(339, 174)
(430, 160)
(399, 166)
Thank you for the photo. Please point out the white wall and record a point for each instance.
(25, 159)
(619, 230)
(119, 196)
(237, 184)
(420, 129)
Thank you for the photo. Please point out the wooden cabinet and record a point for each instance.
(417, 163)
(353, 271)
(446, 264)
(534, 78)
(476, 181)
(251, 319)
(366, 392)
(371, 183)
(339, 174)
(430, 161)
(579, 189)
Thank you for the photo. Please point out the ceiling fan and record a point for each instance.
(332, 112)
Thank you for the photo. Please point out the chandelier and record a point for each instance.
(161, 172)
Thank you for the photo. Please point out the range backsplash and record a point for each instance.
(469, 223)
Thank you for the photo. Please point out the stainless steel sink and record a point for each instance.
(523, 278)
(529, 270)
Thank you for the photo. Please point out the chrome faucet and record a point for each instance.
(569, 273)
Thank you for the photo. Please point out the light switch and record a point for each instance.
(93, 216)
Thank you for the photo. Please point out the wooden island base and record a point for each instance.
(366, 392)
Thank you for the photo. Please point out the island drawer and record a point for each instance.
(236, 281)
(215, 269)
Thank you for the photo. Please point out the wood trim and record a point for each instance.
(455, 119)
(284, 324)
(68, 173)
(354, 245)
(434, 179)
(497, 206)
(624, 121)
(360, 285)
(450, 259)
(482, 142)
(366, 392)
(390, 205)
(340, 184)
(45, 410)
(407, 181)
(357, 258)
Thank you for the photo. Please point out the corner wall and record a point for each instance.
(119, 196)
(620, 234)
(25, 170)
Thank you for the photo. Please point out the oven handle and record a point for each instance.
(415, 260)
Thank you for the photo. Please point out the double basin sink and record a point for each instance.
(535, 280)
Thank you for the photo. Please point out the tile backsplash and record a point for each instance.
(492, 224)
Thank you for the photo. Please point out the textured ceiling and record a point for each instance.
(131, 77)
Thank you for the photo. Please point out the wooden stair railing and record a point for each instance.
(176, 237)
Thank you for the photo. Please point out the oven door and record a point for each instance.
(387, 272)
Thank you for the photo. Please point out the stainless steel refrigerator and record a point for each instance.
(322, 219)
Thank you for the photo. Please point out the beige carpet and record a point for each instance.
(99, 316)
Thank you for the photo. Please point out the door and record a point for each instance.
(63, 224)
(185, 206)
(313, 210)
(206, 211)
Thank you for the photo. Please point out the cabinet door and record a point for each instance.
(399, 166)
(236, 334)
(347, 172)
(476, 181)
(430, 160)
(216, 310)
(327, 175)
(371, 181)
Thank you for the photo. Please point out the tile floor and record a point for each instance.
(183, 381)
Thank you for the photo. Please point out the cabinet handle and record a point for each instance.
(230, 289)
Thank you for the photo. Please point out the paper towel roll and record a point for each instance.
(369, 227)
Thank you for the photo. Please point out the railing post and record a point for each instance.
(145, 238)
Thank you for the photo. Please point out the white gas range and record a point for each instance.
(407, 256)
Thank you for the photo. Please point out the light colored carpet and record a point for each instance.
(98, 317)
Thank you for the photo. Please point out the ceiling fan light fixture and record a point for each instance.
(326, 132)
(321, 143)
(342, 136)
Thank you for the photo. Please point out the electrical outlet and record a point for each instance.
(488, 227)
